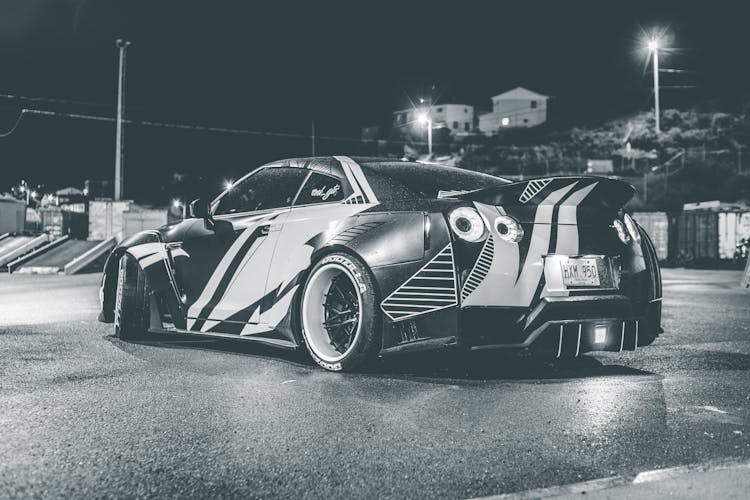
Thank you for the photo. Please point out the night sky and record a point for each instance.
(277, 66)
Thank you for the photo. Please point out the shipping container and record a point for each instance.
(733, 226)
(105, 218)
(138, 219)
(33, 221)
(710, 235)
(12, 215)
(58, 223)
(656, 225)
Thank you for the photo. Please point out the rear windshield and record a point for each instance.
(399, 181)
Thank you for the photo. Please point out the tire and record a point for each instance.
(339, 315)
(132, 301)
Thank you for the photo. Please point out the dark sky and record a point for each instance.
(275, 66)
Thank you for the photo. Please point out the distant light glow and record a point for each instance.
(228, 184)
(423, 118)
(34, 194)
(176, 203)
(505, 121)
(653, 44)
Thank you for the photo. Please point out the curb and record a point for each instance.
(648, 476)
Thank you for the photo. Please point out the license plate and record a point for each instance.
(579, 272)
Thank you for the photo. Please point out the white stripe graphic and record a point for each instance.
(533, 188)
(500, 287)
(151, 260)
(360, 177)
(221, 269)
(145, 249)
(569, 208)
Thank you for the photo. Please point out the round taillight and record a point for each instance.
(467, 224)
(509, 229)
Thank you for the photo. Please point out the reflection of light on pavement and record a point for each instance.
(601, 402)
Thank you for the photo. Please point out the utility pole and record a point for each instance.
(425, 118)
(654, 46)
(312, 137)
(119, 140)
(429, 137)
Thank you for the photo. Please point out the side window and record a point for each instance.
(320, 188)
(272, 187)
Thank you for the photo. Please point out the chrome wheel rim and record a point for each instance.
(332, 312)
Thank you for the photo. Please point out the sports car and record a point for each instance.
(355, 258)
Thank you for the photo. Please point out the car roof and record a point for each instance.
(382, 165)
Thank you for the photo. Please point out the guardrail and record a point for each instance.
(27, 247)
(89, 256)
(3, 236)
(36, 252)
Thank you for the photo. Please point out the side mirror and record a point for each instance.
(200, 209)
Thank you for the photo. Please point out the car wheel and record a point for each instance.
(132, 297)
(338, 315)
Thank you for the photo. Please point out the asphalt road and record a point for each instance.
(85, 415)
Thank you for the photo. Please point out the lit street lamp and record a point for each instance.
(425, 119)
(653, 47)
(178, 205)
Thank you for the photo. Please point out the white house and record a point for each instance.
(459, 118)
(518, 107)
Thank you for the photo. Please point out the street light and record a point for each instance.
(425, 119)
(178, 205)
(653, 47)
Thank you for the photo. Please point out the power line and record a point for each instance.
(672, 70)
(52, 100)
(178, 126)
(14, 127)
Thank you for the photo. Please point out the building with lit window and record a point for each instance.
(518, 107)
(458, 118)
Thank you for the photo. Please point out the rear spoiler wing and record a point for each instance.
(604, 193)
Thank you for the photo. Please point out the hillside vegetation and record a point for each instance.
(699, 155)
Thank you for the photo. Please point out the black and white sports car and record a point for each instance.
(359, 257)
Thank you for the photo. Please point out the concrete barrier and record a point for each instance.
(87, 258)
(28, 247)
(30, 255)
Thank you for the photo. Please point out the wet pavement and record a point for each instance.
(85, 415)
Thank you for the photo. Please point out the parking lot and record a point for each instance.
(84, 414)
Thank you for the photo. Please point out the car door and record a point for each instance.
(225, 274)
(319, 207)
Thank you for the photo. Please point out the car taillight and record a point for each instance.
(467, 224)
(632, 228)
(621, 231)
(509, 229)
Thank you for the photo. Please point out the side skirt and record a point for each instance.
(284, 344)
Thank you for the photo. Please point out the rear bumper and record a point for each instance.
(565, 327)
(556, 327)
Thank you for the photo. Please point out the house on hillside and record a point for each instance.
(458, 118)
(518, 107)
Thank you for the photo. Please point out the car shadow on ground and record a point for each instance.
(450, 365)
(459, 365)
